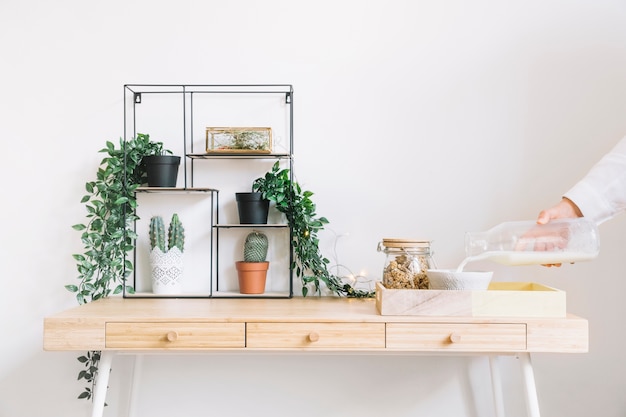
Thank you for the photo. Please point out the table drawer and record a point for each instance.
(174, 335)
(316, 335)
(487, 337)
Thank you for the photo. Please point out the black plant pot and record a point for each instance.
(253, 208)
(162, 170)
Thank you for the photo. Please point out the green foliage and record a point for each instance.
(255, 247)
(309, 264)
(108, 235)
(250, 140)
(90, 362)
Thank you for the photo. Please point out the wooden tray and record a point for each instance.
(501, 299)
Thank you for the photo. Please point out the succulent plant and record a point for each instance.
(176, 234)
(255, 247)
(157, 233)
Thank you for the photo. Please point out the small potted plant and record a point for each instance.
(252, 271)
(166, 255)
(252, 207)
(161, 168)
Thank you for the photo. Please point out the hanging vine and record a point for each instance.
(309, 264)
(108, 235)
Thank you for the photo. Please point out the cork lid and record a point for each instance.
(406, 243)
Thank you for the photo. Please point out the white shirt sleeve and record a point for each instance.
(601, 194)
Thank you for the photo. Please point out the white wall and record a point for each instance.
(415, 118)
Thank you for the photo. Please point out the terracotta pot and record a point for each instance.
(252, 276)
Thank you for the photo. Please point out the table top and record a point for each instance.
(84, 326)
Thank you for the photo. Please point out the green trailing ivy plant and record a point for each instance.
(108, 236)
(309, 263)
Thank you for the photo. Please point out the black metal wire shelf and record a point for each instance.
(228, 155)
(136, 96)
(248, 226)
(188, 190)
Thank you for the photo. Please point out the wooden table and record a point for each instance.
(313, 324)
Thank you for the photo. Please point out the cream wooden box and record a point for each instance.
(502, 299)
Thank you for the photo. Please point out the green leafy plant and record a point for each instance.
(309, 263)
(108, 235)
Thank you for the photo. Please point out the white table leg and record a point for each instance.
(134, 388)
(528, 376)
(496, 385)
(102, 383)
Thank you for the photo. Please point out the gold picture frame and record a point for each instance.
(241, 140)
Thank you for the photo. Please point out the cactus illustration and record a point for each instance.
(157, 233)
(255, 247)
(176, 234)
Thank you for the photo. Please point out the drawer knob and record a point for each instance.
(455, 338)
(314, 337)
(171, 336)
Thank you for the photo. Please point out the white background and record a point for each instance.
(415, 119)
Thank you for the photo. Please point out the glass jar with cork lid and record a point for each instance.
(406, 263)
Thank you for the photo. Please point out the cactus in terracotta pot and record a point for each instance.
(252, 271)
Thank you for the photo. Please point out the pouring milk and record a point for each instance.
(529, 243)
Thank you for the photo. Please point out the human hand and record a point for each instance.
(565, 209)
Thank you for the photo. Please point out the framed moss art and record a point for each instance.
(238, 140)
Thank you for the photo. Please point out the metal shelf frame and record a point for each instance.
(133, 97)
